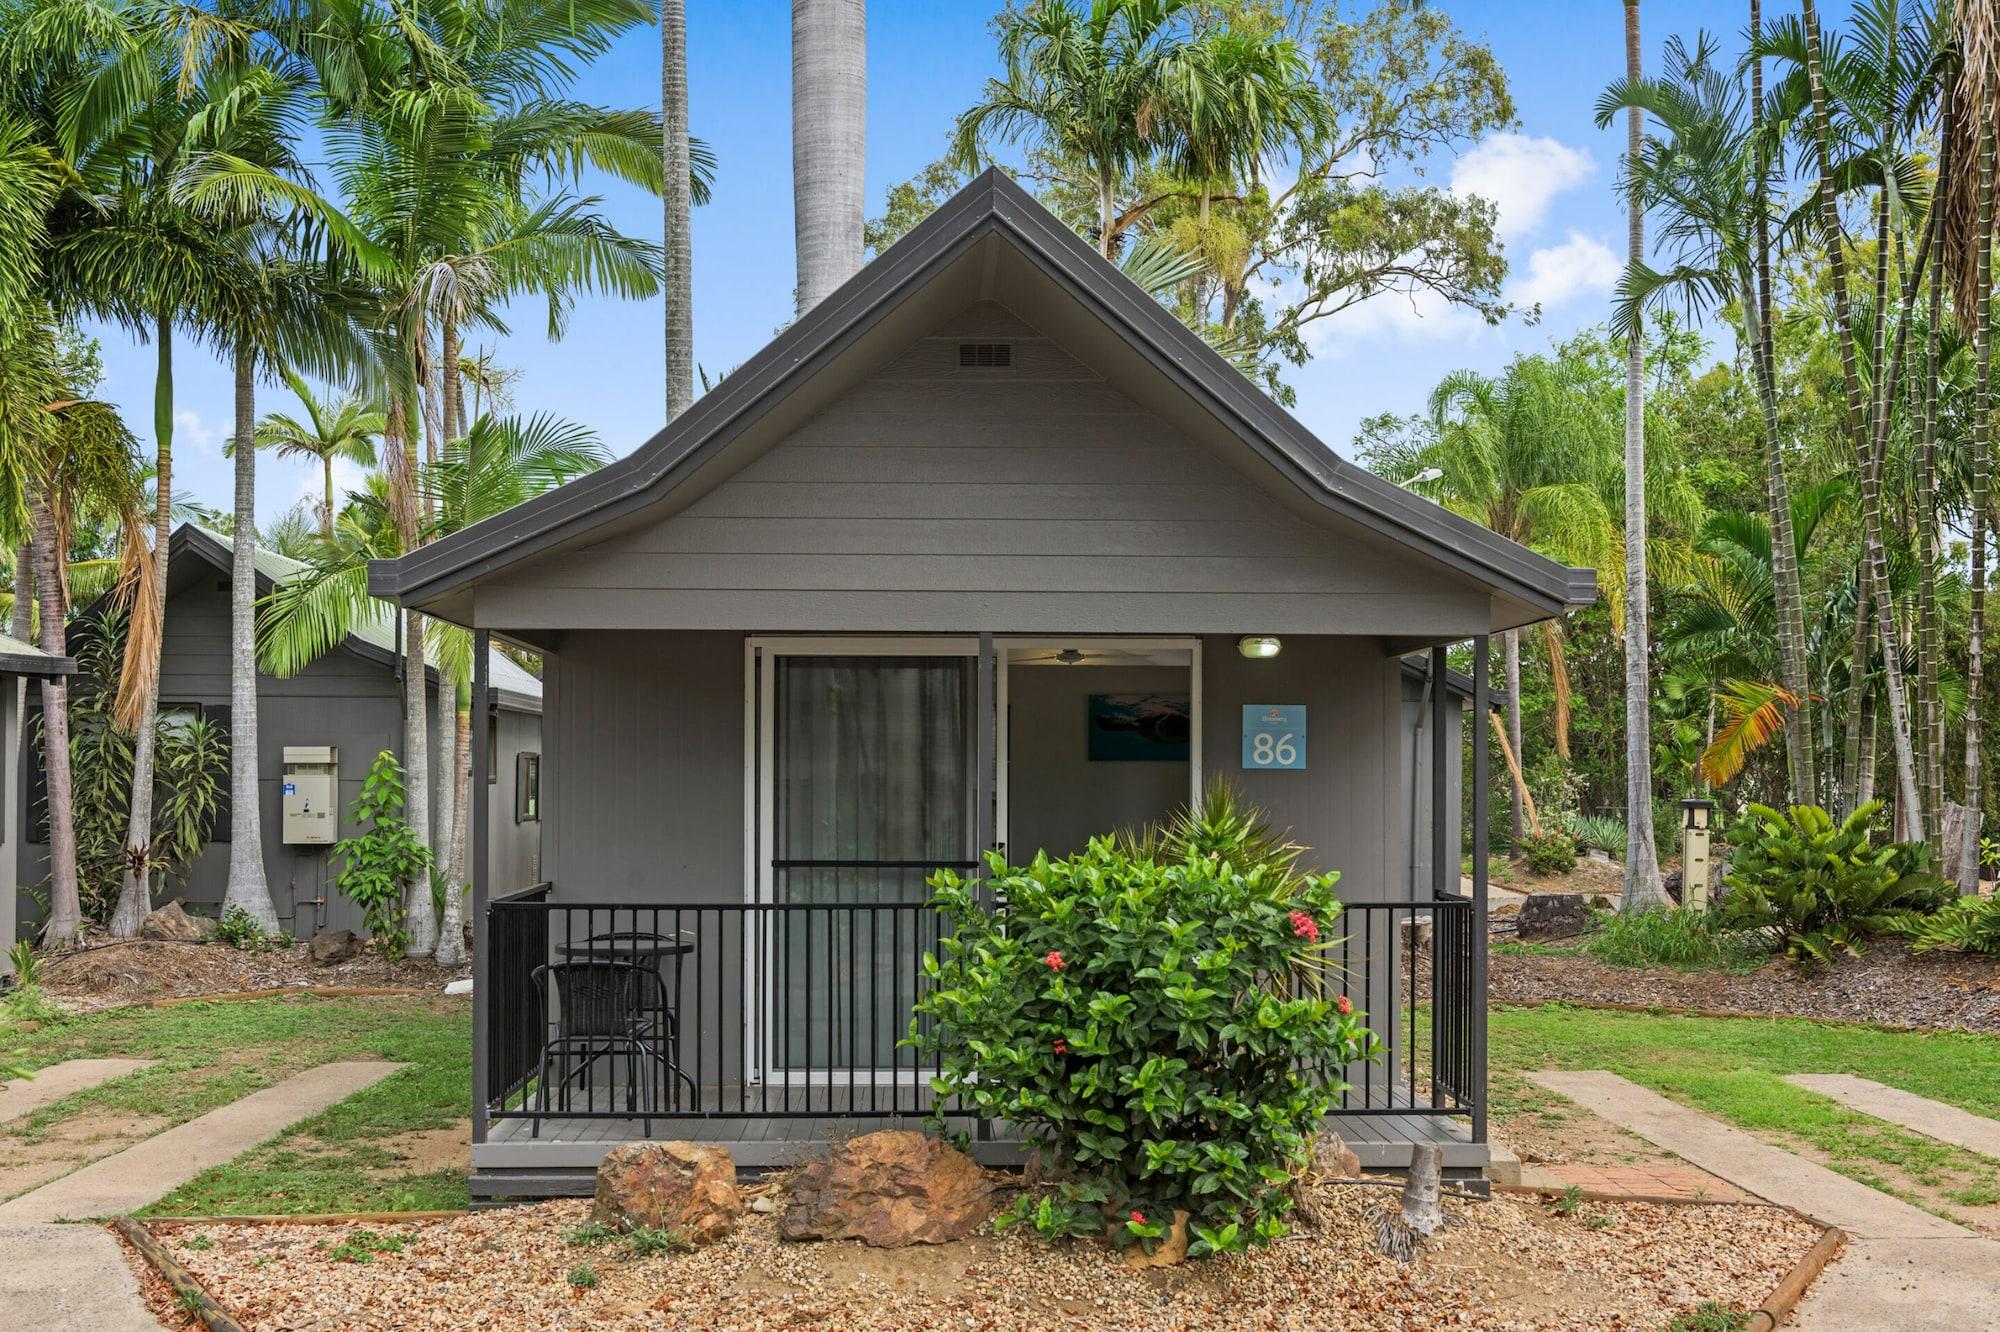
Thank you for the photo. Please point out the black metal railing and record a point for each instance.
(798, 1011)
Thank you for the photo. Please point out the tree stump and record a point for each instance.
(1401, 1232)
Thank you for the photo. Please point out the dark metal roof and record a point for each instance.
(377, 644)
(992, 205)
(19, 658)
(1457, 683)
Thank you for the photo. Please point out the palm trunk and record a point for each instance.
(1927, 569)
(1857, 693)
(247, 886)
(448, 382)
(1788, 603)
(420, 918)
(461, 775)
(442, 787)
(1511, 648)
(1982, 443)
(829, 141)
(135, 890)
(1874, 554)
(450, 949)
(326, 509)
(65, 901)
(1107, 210)
(23, 624)
(1643, 888)
(677, 204)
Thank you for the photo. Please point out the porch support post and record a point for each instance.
(985, 746)
(480, 835)
(1442, 884)
(1481, 704)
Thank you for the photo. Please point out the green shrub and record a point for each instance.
(1165, 1031)
(240, 930)
(1817, 887)
(1669, 937)
(385, 857)
(1551, 851)
(1969, 924)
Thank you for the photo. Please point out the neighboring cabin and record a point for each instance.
(21, 666)
(350, 699)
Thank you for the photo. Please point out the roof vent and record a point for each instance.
(985, 355)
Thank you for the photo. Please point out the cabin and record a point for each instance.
(349, 701)
(22, 667)
(986, 551)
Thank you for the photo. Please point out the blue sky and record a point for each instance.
(1552, 178)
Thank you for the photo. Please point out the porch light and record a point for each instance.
(1700, 813)
(1257, 647)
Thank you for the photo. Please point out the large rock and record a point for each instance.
(1553, 916)
(889, 1189)
(173, 924)
(688, 1188)
(334, 947)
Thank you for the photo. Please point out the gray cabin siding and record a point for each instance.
(343, 699)
(930, 497)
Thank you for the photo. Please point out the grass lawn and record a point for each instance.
(380, 1149)
(1734, 1067)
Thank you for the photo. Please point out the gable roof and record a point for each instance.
(436, 577)
(19, 658)
(373, 638)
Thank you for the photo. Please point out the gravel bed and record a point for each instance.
(1513, 1263)
(1887, 983)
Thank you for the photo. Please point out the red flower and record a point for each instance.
(1054, 959)
(1062, 1046)
(1304, 927)
(1138, 1218)
(1346, 1005)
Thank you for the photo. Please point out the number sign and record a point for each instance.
(1274, 736)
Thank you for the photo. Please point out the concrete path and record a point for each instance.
(149, 1170)
(1769, 1172)
(1903, 1268)
(24, 1096)
(1933, 1119)
(63, 1277)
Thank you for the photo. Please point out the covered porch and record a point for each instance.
(761, 844)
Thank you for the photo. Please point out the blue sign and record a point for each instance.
(1274, 736)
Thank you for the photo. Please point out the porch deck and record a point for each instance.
(519, 1160)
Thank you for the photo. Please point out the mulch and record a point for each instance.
(1887, 984)
(118, 974)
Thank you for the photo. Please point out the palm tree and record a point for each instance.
(1707, 176)
(1243, 97)
(829, 141)
(1643, 889)
(1530, 455)
(342, 429)
(1093, 84)
(677, 205)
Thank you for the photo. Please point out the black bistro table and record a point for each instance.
(640, 947)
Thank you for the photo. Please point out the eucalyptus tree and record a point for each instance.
(1705, 173)
(829, 141)
(1643, 888)
(342, 428)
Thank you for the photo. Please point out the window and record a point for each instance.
(527, 788)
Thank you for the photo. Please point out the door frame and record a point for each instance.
(760, 830)
(1004, 650)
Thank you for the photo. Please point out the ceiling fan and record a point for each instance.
(1066, 657)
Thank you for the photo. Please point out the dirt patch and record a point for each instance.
(427, 1151)
(1591, 876)
(1509, 1264)
(110, 975)
(1887, 983)
(28, 1162)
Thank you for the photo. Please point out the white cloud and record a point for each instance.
(1580, 266)
(1520, 175)
(192, 433)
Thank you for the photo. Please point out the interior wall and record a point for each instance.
(1057, 798)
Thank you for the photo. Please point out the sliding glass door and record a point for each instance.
(867, 789)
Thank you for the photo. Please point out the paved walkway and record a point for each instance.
(1903, 1268)
(147, 1171)
(1646, 1182)
(1919, 1114)
(23, 1097)
(60, 1278)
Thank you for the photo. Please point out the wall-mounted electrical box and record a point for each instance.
(312, 784)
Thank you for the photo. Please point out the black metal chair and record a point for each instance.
(602, 1009)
